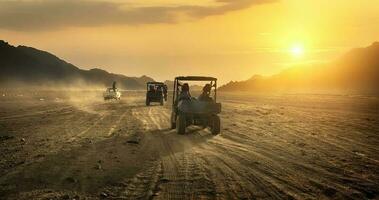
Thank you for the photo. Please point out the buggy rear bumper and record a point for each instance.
(199, 107)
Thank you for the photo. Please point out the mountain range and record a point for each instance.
(34, 67)
(355, 72)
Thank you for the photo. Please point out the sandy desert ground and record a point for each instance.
(76, 146)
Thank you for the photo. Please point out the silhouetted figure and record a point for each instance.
(205, 95)
(184, 93)
(114, 86)
(165, 92)
(159, 88)
(151, 88)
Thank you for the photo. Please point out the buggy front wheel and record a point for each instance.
(173, 121)
(215, 124)
(181, 124)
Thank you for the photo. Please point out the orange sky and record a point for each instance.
(229, 39)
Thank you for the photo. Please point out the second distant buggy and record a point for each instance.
(156, 92)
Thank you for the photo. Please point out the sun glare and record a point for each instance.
(297, 50)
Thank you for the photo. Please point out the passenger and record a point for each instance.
(184, 93)
(205, 96)
(159, 88)
(151, 88)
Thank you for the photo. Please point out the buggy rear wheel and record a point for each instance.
(173, 125)
(147, 101)
(215, 124)
(181, 124)
(173, 121)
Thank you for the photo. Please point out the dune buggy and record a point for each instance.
(156, 92)
(111, 93)
(193, 111)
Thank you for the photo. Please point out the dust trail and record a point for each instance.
(85, 101)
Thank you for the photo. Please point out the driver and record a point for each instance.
(205, 95)
(151, 88)
(184, 93)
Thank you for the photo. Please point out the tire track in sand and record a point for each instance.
(182, 174)
(94, 124)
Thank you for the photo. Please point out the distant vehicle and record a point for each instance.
(112, 93)
(191, 111)
(156, 92)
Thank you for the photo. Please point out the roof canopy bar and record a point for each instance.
(195, 78)
(160, 83)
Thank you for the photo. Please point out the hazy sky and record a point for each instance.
(230, 39)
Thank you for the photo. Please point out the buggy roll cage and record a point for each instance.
(154, 83)
(213, 82)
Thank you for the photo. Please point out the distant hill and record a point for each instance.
(357, 71)
(34, 67)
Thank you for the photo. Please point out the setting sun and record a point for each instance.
(297, 50)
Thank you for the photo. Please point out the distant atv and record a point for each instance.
(156, 92)
(111, 93)
(192, 111)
